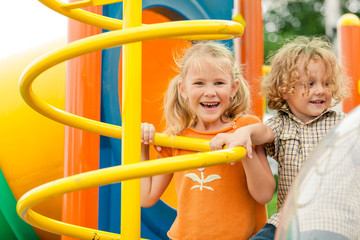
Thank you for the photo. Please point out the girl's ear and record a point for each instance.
(181, 89)
(234, 88)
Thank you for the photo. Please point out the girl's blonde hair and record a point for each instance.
(177, 112)
(284, 71)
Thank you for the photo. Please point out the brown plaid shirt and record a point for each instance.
(293, 141)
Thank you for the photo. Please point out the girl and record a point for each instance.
(208, 97)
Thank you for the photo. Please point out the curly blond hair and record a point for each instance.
(284, 71)
(177, 112)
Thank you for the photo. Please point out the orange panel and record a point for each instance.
(350, 57)
(82, 148)
(252, 51)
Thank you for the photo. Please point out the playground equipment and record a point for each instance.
(349, 48)
(199, 29)
(88, 159)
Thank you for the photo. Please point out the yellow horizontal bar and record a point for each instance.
(83, 15)
(88, 3)
(103, 21)
(112, 175)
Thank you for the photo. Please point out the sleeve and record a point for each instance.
(276, 124)
(245, 120)
(165, 152)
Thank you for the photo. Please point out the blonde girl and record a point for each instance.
(209, 96)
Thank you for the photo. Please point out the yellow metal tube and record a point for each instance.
(68, 10)
(88, 3)
(131, 36)
(83, 15)
(131, 119)
(108, 176)
(98, 42)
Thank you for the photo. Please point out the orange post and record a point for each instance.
(249, 50)
(82, 148)
(349, 38)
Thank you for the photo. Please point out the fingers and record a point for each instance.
(158, 148)
(218, 142)
(147, 133)
(249, 150)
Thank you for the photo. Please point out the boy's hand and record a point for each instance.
(241, 137)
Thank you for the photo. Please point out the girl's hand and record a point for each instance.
(241, 137)
(147, 134)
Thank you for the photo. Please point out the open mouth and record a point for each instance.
(317, 102)
(210, 105)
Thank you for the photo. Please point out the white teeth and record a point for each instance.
(210, 104)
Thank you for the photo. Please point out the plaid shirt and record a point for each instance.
(293, 141)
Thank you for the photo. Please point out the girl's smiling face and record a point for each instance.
(208, 89)
(307, 104)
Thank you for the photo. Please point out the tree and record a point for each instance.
(288, 18)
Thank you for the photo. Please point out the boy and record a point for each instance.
(304, 82)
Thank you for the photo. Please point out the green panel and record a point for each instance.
(5, 229)
(10, 222)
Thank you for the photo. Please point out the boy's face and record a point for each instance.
(306, 106)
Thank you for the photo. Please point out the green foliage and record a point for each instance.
(271, 206)
(288, 18)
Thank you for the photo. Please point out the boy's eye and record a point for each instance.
(309, 84)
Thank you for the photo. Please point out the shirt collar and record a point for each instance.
(286, 111)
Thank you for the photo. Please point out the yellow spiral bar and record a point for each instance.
(108, 176)
(196, 29)
(107, 40)
(112, 23)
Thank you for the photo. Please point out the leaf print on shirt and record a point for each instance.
(201, 180)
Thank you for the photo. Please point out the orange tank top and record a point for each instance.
(214, 202)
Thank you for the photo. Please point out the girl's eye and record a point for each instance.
(219, 83)
(198, 83)
(326, 84)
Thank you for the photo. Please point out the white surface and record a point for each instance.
(26, 24)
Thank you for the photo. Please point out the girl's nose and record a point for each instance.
(209, 92)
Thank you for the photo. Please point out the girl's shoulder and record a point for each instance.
(244, 120)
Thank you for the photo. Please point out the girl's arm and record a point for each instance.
(260, 180)
(151, 187)
(254, 134)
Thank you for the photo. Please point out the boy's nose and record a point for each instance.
(319, 89)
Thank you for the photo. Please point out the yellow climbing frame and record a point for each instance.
(130, 33)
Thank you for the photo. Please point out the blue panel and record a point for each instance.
(110, 148)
